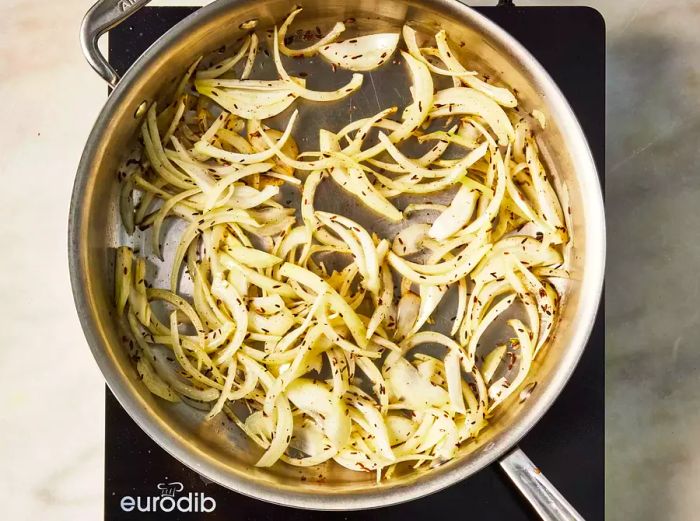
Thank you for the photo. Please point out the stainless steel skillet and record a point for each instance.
(222, 454)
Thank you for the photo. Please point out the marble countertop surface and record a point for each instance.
(52, 404)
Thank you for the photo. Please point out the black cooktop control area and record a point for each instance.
(567, 444)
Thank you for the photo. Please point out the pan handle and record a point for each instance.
(544, 498)
(102, 17)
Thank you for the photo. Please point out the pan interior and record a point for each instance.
(218, 449)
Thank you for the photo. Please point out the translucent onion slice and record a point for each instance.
(249, 104)
(350, 240)
(528, 300)
(225, 392)
(369, 250)
(456, 216)
(501, 389)
(246, 159)
(227, 64)
(317, 399)
(492, 361)
(375, 426)
(252, 257)
(355, 182)
(212, 219)
(485, 219)
(362, 132)
(183, 360)
(290, 149)
(166, 371)
(409, 183)
(233, 301)
(410, 37)
(311, 50)
(378, 384)
(417, 112)
(430, 297)
(154, 382)
(546, 197)
(156, 154)
(258, 279)
(362, 53)
(308, 215)
(246, 197)
(122, 276)
(483, 325)
(460, 314)
(410, 240)
(461, 269)
(317, 284)
(501, 95)
(407, 387)
(545, 303)
(283, 432)
(465, 100)
(384, 300)
(483, 294)
(252, 54)
(313, 95)
(399, 428)
(411, 167)
(453, 374)
(406, 315)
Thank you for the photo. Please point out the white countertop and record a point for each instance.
(51, 424)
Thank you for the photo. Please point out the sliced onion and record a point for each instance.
(314, 282)
(375, 427)
(407, 387)
(410, 239)
(283, 433)
(254, 277)
(249, 104)
(252, 54)
(355, 181)
(501, 389)
(456, 216)
(312, 95)
(492, 361)
(226, 65)
(317, 400)
(481, 327)
(417, 113)
(499, 94)
(406, 315)
(465, 100)
(453, 374)
(384, 301)
(362, 53)
(333, 35)
(430, 297)
(461, 269)
(546, 197)
(410, 37)
(228, 295)
(369, 250)
(122, 276)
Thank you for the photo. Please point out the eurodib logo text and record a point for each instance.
(169, 499)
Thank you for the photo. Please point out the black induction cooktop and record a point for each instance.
(567, 444)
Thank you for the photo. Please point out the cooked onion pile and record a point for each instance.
(316, 363)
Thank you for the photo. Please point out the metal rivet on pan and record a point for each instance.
(525, 393)
(141, 109)
(250, 24)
